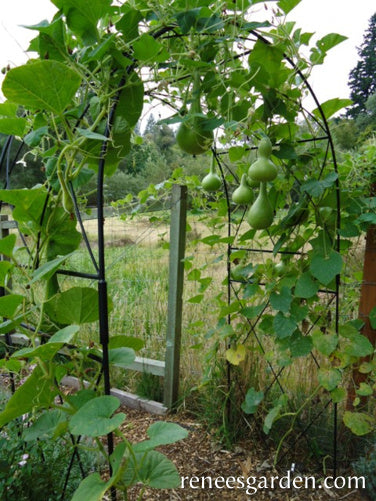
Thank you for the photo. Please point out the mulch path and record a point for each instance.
(198, 455)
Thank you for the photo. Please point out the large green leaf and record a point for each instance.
(358, 346)
(121, 357)
(271, 416)
(44, 351)
(46, 85)
(332, 106)
(9, 304)
(7, 244)
(316, 187)
(306, 287)
(130, 104)
(12, 126)
(80, 398)
(127, 114)
(329, 378)
(281, 301)
(325, 267)
(64, 335)
(359, 423)
(63, 236)
(37, 392)
(83, 16)
(5, 267)
(51, 39)
(288, 5)
(94, 417)
(77, 305)
(121, 341)
(324, 343)
(28, 207)
(300, 345)
(146, 48)
(283, 326)
(252, 400)
(46, 426)
(92, 488)
(161, 433)
(128, 24)
(152, 469)
(46, 270)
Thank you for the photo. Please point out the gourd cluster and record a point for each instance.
(195, 137)
(260, 214)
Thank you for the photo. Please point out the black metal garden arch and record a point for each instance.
(100, 266)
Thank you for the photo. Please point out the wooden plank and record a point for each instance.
(135, 402)
(156, 367)
(128, 399)
(175, 294)
(7, 225)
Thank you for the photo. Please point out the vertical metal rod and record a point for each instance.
(228, 264)
(4, 232)
(102, 285)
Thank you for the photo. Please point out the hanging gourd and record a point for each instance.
(243, 194)
(211, 181)
(260, 216)
(193, 136)
(252, 183)
(263, 169)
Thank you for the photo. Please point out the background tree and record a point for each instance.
(362, 78)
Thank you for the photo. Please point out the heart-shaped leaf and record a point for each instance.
(94, 418)
(326, 267)
(236, 355)
(252, 400)
(46, 85)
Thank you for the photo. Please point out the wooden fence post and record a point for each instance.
(366, 304)
(175, 294)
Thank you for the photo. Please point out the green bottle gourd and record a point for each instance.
(192, 135)
(263, 169)
(260, 216)
(211, 181)
(243, 194)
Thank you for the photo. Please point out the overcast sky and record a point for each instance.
(346, 17)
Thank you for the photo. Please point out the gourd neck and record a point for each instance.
(263, 192)
(212, 167)
(196, 93)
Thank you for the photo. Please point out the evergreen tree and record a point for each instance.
(150, 124)
(362, 78)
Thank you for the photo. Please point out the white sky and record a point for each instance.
(346, 17)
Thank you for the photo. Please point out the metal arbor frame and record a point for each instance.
(99, 276)
(334, 295)
(100, 267)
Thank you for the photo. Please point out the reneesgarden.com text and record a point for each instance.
(253, 484)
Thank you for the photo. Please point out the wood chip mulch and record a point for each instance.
(199, 456)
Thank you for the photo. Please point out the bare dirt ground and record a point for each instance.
(199, 456)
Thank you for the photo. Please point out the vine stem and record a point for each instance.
(292, 425)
